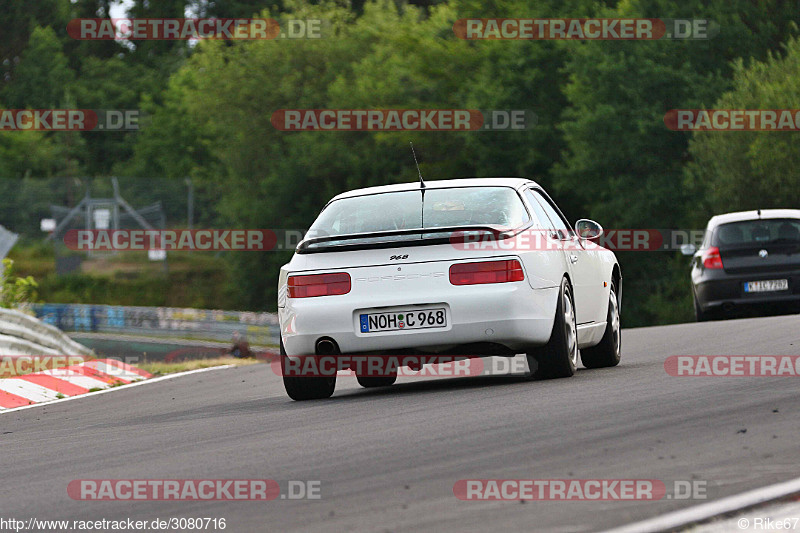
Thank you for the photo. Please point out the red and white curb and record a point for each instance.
(60, 383)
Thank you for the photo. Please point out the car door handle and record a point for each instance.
(573, 258)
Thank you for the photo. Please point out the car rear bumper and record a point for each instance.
(719, 289)
(509, 314)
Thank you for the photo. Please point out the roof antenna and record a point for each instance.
(421, 181)
(421, 187)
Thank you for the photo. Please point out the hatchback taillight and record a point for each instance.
(486, 272)
(711, 258)
(319, 285)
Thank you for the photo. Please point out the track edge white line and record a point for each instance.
(700, 513)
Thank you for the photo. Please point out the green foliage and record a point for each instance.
(618, 147)
(751, 170)
(43, 76)
(177, 289)
(16, 291)
(111, 83)
(18, 18)
(231, 8)
(622, 166)
(128, 278)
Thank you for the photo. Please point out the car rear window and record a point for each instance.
(463, 206)
(756, 232)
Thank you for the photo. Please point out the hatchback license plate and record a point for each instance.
(401, 320)
(770, 285)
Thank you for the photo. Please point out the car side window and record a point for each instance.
(538, 212)
(556, 221)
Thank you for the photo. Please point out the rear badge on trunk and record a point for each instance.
(763, 253)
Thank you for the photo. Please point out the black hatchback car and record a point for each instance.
(748, 259)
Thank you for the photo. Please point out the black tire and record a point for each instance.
(609, 350)
(558, 358)
(306, 388)
(369, 382)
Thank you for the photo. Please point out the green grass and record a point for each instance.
(127, 278)
(160, 368)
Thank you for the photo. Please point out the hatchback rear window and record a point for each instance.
(757, 232)
(452, 207)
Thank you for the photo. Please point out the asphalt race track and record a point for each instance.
(387, 459)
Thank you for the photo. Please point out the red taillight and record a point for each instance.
(486, 272)
(711, 258)
(319, 285)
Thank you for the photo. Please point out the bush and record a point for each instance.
(16, 292)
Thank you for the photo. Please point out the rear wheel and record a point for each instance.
(370, 382)
(306, 388)
(609, 349)
(558, 358)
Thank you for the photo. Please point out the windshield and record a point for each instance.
(757, 232)
(464, 206)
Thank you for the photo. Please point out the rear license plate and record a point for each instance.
(770, 285)
(397, 320)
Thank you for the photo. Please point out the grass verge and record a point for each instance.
(160, 368)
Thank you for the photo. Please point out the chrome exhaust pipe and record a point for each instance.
(326, 347)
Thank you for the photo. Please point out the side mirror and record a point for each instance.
(688, 249)
(588, 229)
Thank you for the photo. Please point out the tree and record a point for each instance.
(732, 171)
(18, 18)
(79, 50)
(622, 165)
(163, 56)
(43, 77)
(232, 8)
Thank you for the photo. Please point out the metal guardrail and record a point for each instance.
(167, 322)
(7, 241)
(22, 334)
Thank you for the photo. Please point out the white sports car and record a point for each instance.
(474, 267)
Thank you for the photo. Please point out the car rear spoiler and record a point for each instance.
(453, 234)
